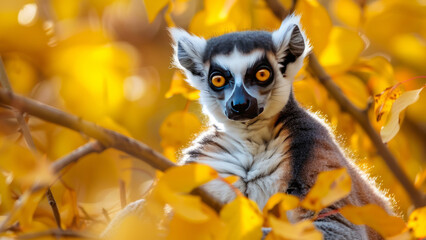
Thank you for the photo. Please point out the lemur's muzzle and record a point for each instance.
(241, 105)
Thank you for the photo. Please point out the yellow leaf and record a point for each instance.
(6, 201)
(98, 72)
(243, 219)
(378, 70)
(238, 19)
(218, 10)
(68, 209)
(154, 7)
(178, 129)
(391, 128)
(337, 57)
(331, 186)
(384, 100)
(180, 86)
(24, 166)
(374, 217)
(316, 22)
(187, 177)
(354, 88)
(417, 222)
(284, 230)
(231, 179)
(415, 51)
(26, 207)
(279, 203)
(177, 182)
(211, 229)
(134, 227)
(21, 73)
(347, 11)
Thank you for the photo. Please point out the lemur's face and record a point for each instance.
(243, 75)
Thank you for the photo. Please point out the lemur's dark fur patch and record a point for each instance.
(304, 132)
(243, 41)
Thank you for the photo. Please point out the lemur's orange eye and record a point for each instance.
(218, 81)
(263, 75)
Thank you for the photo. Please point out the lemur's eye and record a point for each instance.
(218, 81)
(263, 75)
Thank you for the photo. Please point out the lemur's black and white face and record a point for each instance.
(243, 75)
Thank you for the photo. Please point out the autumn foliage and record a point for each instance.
(108, 62)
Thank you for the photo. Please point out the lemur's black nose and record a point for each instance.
(240, 105)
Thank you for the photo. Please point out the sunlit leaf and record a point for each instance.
(231, 179)
(243, 219)
(21, 73)
(179, 180)
(417, 222)
(6, 201)
(211, 229)
(337, 57)
(330, 186)
(316, 22)
(284, 230)
(238, 19)
(24, 166)
(354, 88)
(347, 11)
(180, 86)
(178, 129)
(391, 128)
(279, 203)
(154, 7)
(218, 10)
(383, 101)
(374, 217)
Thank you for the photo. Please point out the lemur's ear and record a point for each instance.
(188, 51)
(291, 45)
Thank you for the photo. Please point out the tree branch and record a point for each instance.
(106, 137)
(4, 80)
(74, 156)
(54, 207)
(359, 115)
(56, 233)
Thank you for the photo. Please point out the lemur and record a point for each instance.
(258, 130)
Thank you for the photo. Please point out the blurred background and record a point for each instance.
(109, 61)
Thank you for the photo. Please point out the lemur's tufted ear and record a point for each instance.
(291, 45)
(188, 51)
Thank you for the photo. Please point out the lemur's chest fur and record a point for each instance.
(267, 155)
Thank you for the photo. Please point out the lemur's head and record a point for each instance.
(243, 75)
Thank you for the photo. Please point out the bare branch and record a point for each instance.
(75, 155)
(106, 215)
(56, 233)
(359, 115)
(123, 200)
(54, 207)
(4, 81)
(106, 137)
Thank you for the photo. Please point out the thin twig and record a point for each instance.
(56, 233)
(4, 81)
(123, 199)
(74, 156)
(359, 115)
(54, 207)
(106, 215)
(106, 137)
